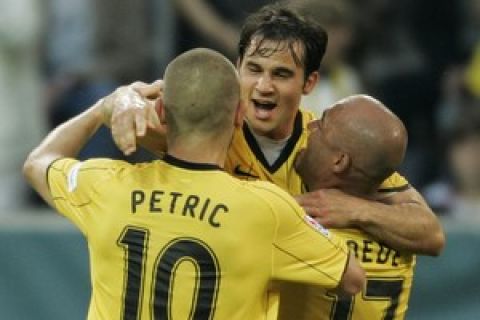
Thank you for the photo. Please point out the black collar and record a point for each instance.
(287, 150)
(189, 165)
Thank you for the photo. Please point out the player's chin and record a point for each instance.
(262, 126)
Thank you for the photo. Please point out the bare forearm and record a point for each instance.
(203, 18)
(408, 227)
(69, 138)
(402, 220)
(64, 141)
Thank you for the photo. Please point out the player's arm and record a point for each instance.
(353, 278)
(64, 141)
(402, 220)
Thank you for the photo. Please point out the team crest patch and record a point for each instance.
(317, 226)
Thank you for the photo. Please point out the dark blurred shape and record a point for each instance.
(458, 193)
(113, 45)
(338, 78)
(212, 23)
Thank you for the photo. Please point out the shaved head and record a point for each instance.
(201, 93)
(375, 138)
(355, 146)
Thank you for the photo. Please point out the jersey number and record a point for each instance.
(377, 289)
(135, 243)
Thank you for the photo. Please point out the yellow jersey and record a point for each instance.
(178, 240)
(245, 160)
(385, 295)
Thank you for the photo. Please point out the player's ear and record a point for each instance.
(239, 114)
(342, 162)
(160, 108)
(310, 82)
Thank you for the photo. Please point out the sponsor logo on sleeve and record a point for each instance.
(317, 226)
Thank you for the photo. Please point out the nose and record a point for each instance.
(264, 84)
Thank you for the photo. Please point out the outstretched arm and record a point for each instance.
(129, 110)
(64, 141)
(402, 220)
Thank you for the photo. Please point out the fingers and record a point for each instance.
(140, 122)
(325, 222)
(312, 211)
(150, 90)
(123, 132)
(128, 119)
(311, 199)
(146, 117)
(131, 113)
(153, 120)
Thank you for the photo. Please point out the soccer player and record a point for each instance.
(355, 146)
(279, 55)
(171, 239)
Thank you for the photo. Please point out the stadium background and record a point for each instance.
(422, 58)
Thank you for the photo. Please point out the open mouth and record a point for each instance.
(264, 105)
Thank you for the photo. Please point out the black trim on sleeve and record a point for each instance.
(48, 173)
(286, 152)
(395, 189)
(190, 165)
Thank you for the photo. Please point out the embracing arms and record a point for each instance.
(402, 220)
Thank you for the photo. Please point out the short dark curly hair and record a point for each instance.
(281, 23)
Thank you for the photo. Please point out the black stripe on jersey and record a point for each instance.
(189, 165)
(395, 189)
(286, 152)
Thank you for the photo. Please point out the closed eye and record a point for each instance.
(254, 68)
(283, 73)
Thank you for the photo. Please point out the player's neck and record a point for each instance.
(199, 151)
(360, 190)
(351, 188)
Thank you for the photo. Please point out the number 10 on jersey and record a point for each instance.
(135, 241)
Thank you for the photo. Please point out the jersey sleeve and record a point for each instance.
(394, 183)
(303, 250)
(73, 182)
